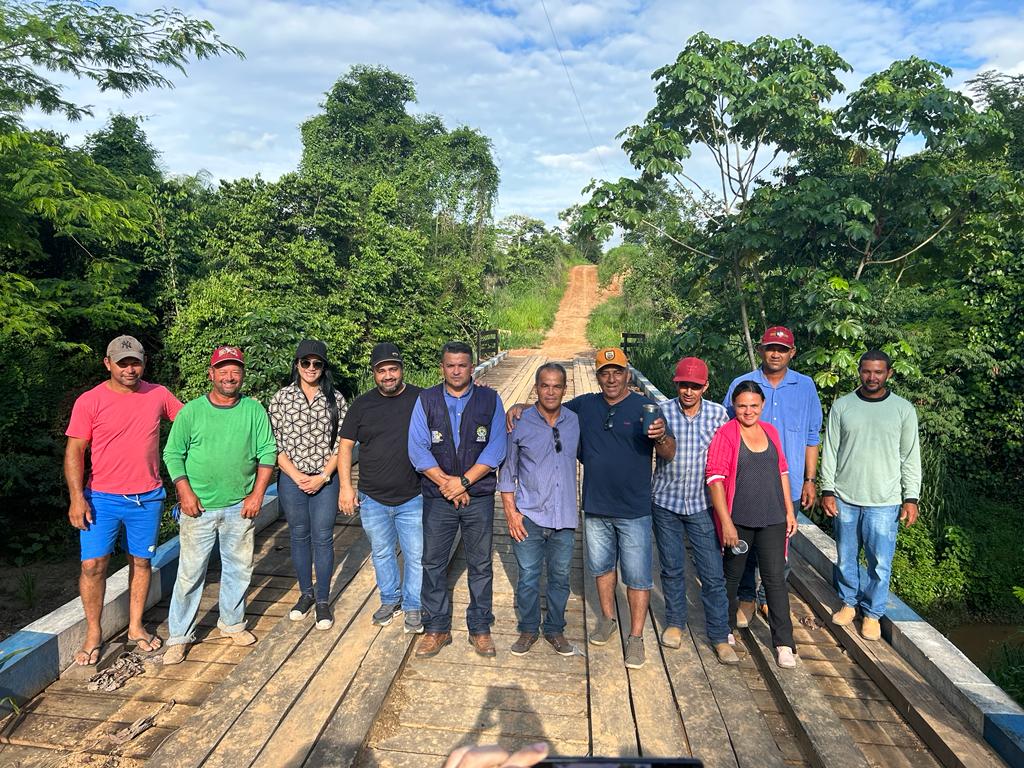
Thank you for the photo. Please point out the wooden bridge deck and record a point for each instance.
(356, 696)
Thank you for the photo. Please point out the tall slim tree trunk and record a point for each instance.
(748, 342)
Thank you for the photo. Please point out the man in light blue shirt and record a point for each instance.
(538, 490)
(791, 406)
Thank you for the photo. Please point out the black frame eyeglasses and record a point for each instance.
(558, 439)
(608, 423)
(316, 364)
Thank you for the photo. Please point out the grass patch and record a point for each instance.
(523, 313)
(613, 318)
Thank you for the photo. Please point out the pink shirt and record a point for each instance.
(723, 456)
(123, 430)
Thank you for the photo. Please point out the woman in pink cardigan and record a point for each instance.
(746, 474)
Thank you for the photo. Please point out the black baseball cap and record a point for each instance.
(311, 348)
(385, 352)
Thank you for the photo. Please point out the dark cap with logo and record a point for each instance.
(311, 348)
(125, 346)
(385, 352)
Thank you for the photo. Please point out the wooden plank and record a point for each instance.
(943, 732)
(346, 731)
(102, 707)
(659, 726)
(54, 732)
(19, 756)
(439, 743)
(706, 731)
(815, 723)
(262, 717)
(509, 697)
(192, 743)
(440, 671)
(612, 730)
(752, 743)
(298, 730)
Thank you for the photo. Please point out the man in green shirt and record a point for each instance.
(220, 455)
(870, 480)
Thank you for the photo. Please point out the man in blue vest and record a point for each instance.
(456, 442)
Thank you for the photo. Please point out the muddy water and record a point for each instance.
(981, 643)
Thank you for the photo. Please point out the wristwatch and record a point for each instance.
(465, 482)
(326, 477)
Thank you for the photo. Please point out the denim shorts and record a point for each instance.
(622, 539)
(140, 514)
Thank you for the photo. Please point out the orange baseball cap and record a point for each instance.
(611, 356)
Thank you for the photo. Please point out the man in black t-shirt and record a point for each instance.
(388, 499)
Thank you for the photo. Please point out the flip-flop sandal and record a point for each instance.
(153, 641)
(92, 656)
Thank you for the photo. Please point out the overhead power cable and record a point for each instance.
(572, 87)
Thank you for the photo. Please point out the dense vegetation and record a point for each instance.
(383, 232)
(890, 221)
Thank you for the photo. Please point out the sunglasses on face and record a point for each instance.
(608, 420)
(688, 385)
(316, 365)
(558, 440)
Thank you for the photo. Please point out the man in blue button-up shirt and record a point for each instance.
(791, 406)
(538, 490)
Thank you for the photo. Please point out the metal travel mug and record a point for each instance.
(651, 414)
(740, 548)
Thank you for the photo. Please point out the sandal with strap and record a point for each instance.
(91, 656)
(153, 643)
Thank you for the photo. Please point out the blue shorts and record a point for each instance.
(623, 539)
(140, 514)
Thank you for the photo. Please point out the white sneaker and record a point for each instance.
(785, 658)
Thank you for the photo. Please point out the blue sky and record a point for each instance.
(493, 66)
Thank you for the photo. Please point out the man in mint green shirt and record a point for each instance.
(870, 480)
(220, 455)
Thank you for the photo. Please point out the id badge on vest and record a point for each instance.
(481, 433)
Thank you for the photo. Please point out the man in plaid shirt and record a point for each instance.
(681, 505)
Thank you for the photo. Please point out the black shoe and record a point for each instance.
(324, 619)
(305, 602)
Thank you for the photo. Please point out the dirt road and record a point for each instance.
(568, 335)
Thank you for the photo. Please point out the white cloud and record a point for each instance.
(494, 66)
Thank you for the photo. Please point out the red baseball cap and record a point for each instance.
(227, 355)
(778, 334)
(691, 369)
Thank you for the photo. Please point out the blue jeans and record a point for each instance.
(874, 529)
(623, 539)
(387, 528)
(234, 534)
(441, 521)
(311, 530)
(699, 528)
(557, 545)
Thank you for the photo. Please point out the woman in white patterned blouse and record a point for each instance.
(305, 416)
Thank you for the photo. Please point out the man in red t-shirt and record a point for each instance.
(118, 421)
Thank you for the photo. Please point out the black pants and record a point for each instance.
(770, 545)
(441, 521)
